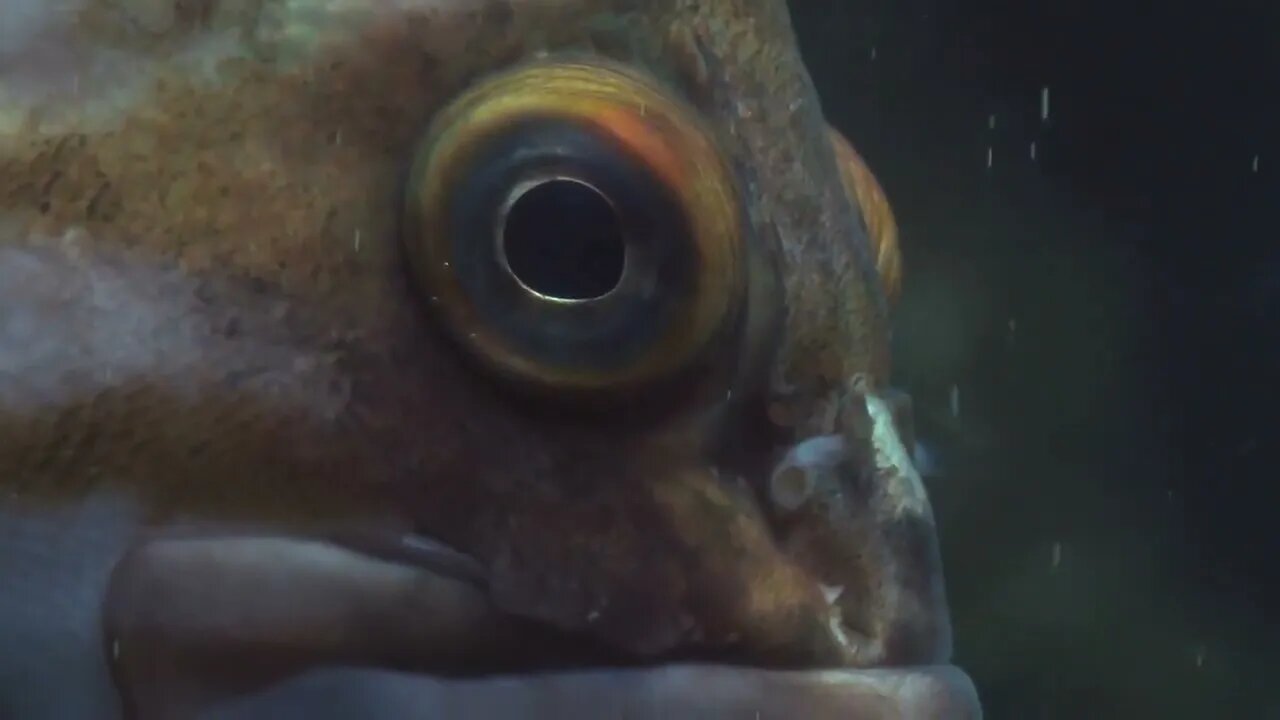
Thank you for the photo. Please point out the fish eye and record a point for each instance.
(575, 228)
(882, 230)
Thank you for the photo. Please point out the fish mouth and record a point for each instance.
(247, 626)
(669, 691)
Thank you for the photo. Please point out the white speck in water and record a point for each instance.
(435, 298)
(873, 52)
(795, 105)
(991, 121)
(1033, 149)
(593, 616)
(955, 401)
(1200, 653)
(1013, 331)
(1044, 103)
(446, 264)
(989, 157)
(1255, 163)
(1057, 555)
(115, 649)
(357, 240)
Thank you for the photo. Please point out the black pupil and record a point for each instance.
(563, 239)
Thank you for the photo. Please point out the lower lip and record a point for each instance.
(675, 691)
(328, 586)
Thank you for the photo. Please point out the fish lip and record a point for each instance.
(920, 693)
(940, 692)
(916, 692)
(665, 687)
(415, 550)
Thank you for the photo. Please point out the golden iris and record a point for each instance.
(576, 228)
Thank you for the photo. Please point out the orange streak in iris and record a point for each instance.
(640, 137)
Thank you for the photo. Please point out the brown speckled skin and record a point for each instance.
(294, 377)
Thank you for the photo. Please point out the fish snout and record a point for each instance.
(850, 507)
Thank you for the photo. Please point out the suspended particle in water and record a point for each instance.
(1044, 103)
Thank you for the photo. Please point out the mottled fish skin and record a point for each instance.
(205, 315)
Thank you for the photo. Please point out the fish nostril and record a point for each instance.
(806, 468)
(790, 487)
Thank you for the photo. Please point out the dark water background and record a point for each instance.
(1109, 312)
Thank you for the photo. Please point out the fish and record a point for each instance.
(524, 358)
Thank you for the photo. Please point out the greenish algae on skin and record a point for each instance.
(205, 311)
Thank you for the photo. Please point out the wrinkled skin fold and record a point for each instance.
(235, 446)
